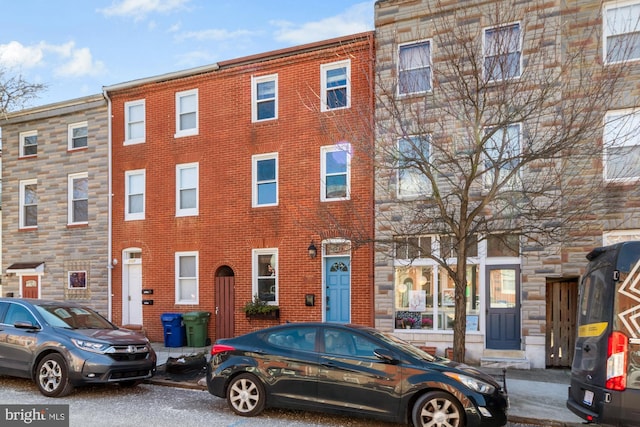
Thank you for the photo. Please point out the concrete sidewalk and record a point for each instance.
(536, 396)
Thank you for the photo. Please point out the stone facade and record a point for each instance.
(58, 246)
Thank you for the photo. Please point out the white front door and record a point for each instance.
(132, 289)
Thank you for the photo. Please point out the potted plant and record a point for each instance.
(427, 322)
(259, 309)
(409, 322)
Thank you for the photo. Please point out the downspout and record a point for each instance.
(109, 211)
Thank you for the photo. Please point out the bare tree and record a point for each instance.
(16, 92)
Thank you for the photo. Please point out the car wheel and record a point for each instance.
(52, 376)
(246, 395)
(437, 409)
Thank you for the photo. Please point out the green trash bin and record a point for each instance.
(196, 323)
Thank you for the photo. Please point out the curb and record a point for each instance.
(178, 384)
(516, 419)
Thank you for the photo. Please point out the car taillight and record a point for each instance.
(220, 348)
(617, 352)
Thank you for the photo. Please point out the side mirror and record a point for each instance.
(385, 354)
(23, 324)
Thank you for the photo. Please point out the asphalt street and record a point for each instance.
(160, 406)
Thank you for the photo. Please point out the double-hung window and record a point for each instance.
(414, 68)
(187, 113)
(78, 202)
(264, 98)
(265, 180)
(502, 52)
(622, 146)
(29, 203)
(186, 269)
(335, 170)
(134, 191)
(335, 79)
(187, 189)
(78, 135)
(502, 156)
(265, 275)
(413, 165)
(621, 22)
(135, 118)
(28, 143)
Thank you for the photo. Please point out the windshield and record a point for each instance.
(73, 317)
(404, 346)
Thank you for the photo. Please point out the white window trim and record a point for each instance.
(86, 279)
(187, 132)
(254, 179)
(70, 129)
(323, 83)
(344, 147)
(138, 215)
(23, 184)
(629, 142)
(255, 269)
(255, 80)
(428, 190)
(70, 199)
(23, 136)
(429, 41)
(188, 211)
(606, 30)
(128, 140)
(520, 49)
(179, 255)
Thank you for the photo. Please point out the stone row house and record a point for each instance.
(271, 176)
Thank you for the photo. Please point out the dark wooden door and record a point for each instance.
(29, 286)
(503, 307)
(562, 306)
(225, 327)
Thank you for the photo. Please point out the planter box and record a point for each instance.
(272, 315)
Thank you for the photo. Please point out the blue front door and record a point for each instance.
(338, 292)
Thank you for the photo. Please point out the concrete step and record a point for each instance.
(504, 362)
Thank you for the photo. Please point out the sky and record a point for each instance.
(75, 47)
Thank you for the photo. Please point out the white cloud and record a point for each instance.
(356, 19)
(15, 54)
(79, 62)
(138, 9)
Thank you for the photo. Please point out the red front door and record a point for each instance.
(29, 286)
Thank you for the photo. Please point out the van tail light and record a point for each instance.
(617, 353)
(221, 348)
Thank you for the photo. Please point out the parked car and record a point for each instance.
(350, 370)
(60, 345)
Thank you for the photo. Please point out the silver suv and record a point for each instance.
(60, 345)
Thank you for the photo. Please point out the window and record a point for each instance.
(622, 146)
(265, 275)
(621, 32)
(265, 179)
(28, 143)
(413, 161)
(134, 118)
(78, 185)
(335, 172)
(414, 68)
(77, 280)
(335, 82)
(502, 52)
(78, 135)
(186, 277)
(505, 245)
(264, 98)
(502, 157)
(134, 190)
(29, 203)
(187, 113)
(187, 189)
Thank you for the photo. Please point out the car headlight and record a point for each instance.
(472, 383)
(94, 347)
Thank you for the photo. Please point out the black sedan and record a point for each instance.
(60, 345)
(350, 370)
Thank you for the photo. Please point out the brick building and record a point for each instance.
(55, 202)
(226, 177)
(521, 298)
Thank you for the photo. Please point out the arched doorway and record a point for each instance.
(224, 299)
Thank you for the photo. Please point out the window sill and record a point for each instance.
(79, 225)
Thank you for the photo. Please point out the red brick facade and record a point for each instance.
(227, 228)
